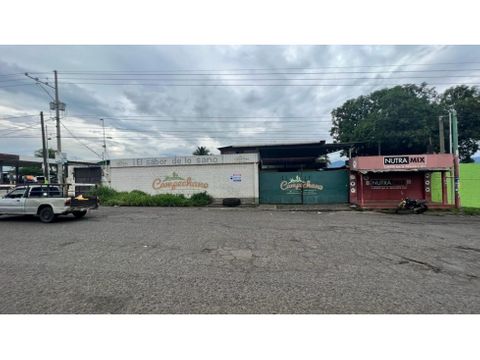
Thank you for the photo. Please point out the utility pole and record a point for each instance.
(44, 148)
(48, 152)
(59, 139)
(450, 132)
(104, 153)
(441, 135)
(456, 167)
(57, 105)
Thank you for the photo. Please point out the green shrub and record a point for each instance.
(103, 192)
(201, 199)
(170, 200)
(111, 197)
(138, 192)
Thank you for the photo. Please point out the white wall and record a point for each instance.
(217, 179)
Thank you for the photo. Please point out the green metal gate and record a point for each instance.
(307, 187)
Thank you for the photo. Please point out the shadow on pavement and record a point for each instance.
(35, 219)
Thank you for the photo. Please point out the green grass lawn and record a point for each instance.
(469, 186)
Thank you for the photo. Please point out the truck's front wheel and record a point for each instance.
(46, 214)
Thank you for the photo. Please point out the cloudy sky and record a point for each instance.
(166, 100)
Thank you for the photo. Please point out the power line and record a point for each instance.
(285, 79)
(165, 135)
(21, 74)
(218, 122)
(259, 85)
(273, 72)
(288, 68)
(14, 74)
(200, 132)
(80, 142)
(201, 117)
(9, 86)
(17, 116)
(207, 132)
(22, 129)
(11, 80)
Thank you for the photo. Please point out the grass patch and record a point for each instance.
(469, 189)
(467, 211)
(111, 197)
(462, 211)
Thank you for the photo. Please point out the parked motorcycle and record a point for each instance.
(416, 206)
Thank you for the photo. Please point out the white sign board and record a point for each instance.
(186, 160)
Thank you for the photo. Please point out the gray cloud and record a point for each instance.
(87, 103)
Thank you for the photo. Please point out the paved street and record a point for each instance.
(214, 260)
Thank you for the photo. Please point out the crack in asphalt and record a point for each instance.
(434, 268)
(467, 248)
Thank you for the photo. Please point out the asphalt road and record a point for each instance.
(213, 260)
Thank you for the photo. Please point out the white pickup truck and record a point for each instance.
(45, 201)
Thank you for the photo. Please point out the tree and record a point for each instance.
(398, 120)
(201, 150)
(34, 170)
(404, 120)
(51, 153)
(325, 160)
(466, 101)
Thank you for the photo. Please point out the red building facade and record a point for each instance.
(383, 181)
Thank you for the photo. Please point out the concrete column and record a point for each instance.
(444, 189)
(16, 174)
(360, 190)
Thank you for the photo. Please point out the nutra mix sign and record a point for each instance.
(405, 161)
(400, 162)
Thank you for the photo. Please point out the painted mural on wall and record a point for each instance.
(295, 185)
(177, 182)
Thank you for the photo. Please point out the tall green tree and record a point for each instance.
(34, 170)
(466, 101)
(398, 120)
(201, 150)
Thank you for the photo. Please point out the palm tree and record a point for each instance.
(201, 150)
(51, 153)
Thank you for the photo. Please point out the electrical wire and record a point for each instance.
(22, 129)
(9, 86)
(17, 116)
(259, 85)
(78, 140)
(283, 79)
(270, 72)
(291, 68)
(200, 117)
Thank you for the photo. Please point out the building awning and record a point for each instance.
(294, 150)
(293, 155)
(427, 169)
(17, 160)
